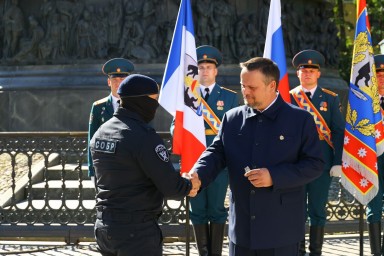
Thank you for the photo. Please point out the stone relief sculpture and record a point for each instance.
(205, 22)
(84, 30)
(30, 45)
(13, 28)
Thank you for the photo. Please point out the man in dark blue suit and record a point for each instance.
(324, 106)
(102, 110)
(272, 151)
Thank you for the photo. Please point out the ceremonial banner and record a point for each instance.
(363, 137)
(274, 47)
(180, 91)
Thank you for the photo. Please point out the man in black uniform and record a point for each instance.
(133, 174)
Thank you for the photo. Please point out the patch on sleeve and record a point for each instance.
(105, 146)
(162, 152)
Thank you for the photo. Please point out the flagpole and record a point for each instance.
(187, 228)
(361, 228)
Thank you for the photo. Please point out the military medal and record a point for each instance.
(220, 105)
(281, 137)
(323, 106)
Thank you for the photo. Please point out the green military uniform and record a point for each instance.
(208, 214)
(102, 110)
(327, 105)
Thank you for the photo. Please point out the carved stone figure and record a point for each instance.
(249, 41)
(84, 37)
(148, 16)
(131, 40)
(115, 20)
(205, 21)
(30, 45)
(13, 27)
(224, 14)
(47, 10)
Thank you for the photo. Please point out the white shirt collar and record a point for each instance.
(114, 102)
(312, 90)
(209, 87)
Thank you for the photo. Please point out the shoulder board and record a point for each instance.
(329, 92)
(228, 89)
(101, 101)
(294, 90)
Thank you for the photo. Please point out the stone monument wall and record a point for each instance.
(52, 51)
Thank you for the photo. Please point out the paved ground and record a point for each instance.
(336, 245)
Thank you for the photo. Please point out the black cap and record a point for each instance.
(137, 85)
(210, 54)
(118, 67)
(308, 59)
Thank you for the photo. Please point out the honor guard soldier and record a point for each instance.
(208, 214)
(102, 110)
(324, 106)
(375, 206)
(133, 174)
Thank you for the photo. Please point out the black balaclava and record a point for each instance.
(145, 106)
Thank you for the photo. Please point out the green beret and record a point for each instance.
(210, 54)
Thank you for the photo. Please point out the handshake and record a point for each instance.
(193, 177)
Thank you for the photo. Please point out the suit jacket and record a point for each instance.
(101, 112)
(283, 139)
(335, 121)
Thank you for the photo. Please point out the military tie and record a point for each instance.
(382, 102)
(206, 94)
(309, 95)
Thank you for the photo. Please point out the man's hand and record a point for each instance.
(259, 177)
(195, 181)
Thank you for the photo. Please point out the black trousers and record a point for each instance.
(290, 250)
(134, 239)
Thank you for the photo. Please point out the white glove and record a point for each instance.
(335, 171)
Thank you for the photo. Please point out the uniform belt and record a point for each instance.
(209, 132)
(114, 215)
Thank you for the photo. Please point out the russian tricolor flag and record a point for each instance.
(180, 92)
(274, 47)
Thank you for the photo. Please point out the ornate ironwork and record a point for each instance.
(31, 161)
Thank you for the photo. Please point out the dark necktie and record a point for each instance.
(382, 102)
(308, 95)
(206, 94)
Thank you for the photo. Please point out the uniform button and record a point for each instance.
(260, 120)
(253, 217)
(252, 192)
(256, 144)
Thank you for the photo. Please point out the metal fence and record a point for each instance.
(45, 190)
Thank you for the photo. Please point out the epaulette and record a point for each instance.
(329, 92)
(228, 89)
(103, 100)
(293, 90)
